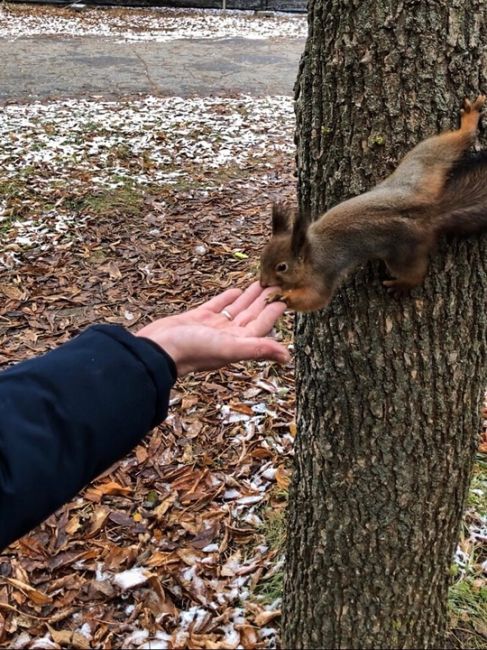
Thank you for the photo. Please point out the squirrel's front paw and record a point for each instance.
(304, 299)
(275, 296)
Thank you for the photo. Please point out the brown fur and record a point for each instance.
(435, 190)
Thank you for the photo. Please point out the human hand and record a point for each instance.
(229, 327)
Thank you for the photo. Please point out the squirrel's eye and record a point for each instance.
(281, 267)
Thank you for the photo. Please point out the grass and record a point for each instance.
(13, 192)
(467, 598)
(477, 498)
(467, 603)
(12, 188)
(127, 199)
(274, 528)
(270, 587)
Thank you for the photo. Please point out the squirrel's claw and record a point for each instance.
(475, 106)
(397, 289)
(276, 296)
(470, 113)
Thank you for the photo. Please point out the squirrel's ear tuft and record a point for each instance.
(281, 219)
(300, 228)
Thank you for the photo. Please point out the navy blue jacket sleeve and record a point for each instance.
(67, 416)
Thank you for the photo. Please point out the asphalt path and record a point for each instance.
(56, 67)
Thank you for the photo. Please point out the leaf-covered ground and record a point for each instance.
(64, 162)
(122, 212)
(163, 24)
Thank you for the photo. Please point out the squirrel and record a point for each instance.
(437, 189)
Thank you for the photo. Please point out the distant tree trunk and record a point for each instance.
(389, 391)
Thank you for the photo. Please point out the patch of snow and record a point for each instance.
(100, 575)
(21, 641)
(55, 152)
(44, 643)
(269, 473)
(232, 637)
(85, 630)
(137, 637)
(131, 578)
(231, 494)
(250, 500)
(252, 519)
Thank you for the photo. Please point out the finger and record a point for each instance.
(258, 348)
(247, 298)
(265, 321)
(254, 309)
(221, 301)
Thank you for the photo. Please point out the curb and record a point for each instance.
(288, 6)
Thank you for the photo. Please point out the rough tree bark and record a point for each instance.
(389, 391)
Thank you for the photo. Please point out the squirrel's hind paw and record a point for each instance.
(397, 289)
(473, 107)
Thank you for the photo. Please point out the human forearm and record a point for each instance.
(67, 416)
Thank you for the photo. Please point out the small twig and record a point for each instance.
(21, 613)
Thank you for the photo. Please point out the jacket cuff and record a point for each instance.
(157, 362)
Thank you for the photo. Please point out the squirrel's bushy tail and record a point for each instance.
(463, 207)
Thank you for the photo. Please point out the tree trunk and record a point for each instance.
(389, 391)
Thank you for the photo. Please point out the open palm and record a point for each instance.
(230, 327)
